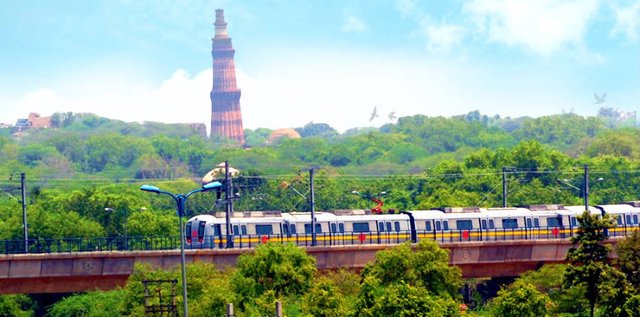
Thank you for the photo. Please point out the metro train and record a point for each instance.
(361, 227)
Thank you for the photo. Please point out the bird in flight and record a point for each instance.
(392, 115)
(599, 99)
(374, 114)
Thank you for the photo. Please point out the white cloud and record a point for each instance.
(178, 99)
(443, 37)
(542, 26)
(341, 91)
(353, 24)
(627, 21)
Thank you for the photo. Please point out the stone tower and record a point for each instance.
(226, 117)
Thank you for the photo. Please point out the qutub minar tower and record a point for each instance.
(226, 118)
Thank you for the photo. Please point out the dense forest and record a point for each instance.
(84, 173)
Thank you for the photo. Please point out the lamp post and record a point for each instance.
(368, 196)
(585, 187)
(181, 200)
(125, 214)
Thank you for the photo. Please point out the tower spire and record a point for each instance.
(226, 117)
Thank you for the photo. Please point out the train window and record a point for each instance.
(292, 229)
(553, 222)
(428, 226)
(187, 230)
(381, 226)
(236, 230)
(216, 230)
(573, 221)
(484, 224)
(529, 225)
(361, 227)
(334, 228)
(536, 222)
(491, 225)
(438, 226)
(464, 224)
(445, 225)
(388, 226)
(264, 229)
(619, 220)
(243, 229)
(397, 226)
(341, 227)
(629, 220)
(307, 228)
(509, 223)
(635, 219)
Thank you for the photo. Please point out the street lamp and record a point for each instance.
(124, 222)
(369, 196)
(124, 226)
(585, 186)
(181, 200)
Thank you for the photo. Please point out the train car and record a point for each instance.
(625, 217)
(209, 230)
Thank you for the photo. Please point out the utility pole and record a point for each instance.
(228, 203)
(504, 187)
(25, 227)
(586, 187)
(312, 206)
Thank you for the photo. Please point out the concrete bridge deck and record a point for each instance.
(76, 272)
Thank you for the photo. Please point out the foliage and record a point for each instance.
(404, 279)
(16, 305)
(91, 304)
(520, 300)
(548, 280)
(282, 268)
(324, 300)
(404, 300)
(628, 251)
(589, 261)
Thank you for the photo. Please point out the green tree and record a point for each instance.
(520, 300)
(404, 300)
(16, 305)
(284, 269)
(324, 300)
(91, 304)
(548, 280)
(589, 261)
(628, 251)
(422, 275)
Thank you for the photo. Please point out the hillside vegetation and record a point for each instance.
(87, 163)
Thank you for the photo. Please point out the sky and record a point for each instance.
(329, 61)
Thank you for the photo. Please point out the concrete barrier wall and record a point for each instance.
(75, 272)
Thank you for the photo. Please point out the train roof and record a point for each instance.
(306, 216)
(578, 210)
(619, 208)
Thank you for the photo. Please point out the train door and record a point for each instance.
(217, 235)
(336, 232)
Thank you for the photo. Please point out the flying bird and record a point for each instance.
(374, 114)
(392, 115)
(600, 99)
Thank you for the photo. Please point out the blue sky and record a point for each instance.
(320, 61)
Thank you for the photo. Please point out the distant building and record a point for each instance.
(22, 124)
(283, 133)
(226, 117)
(36, 121)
